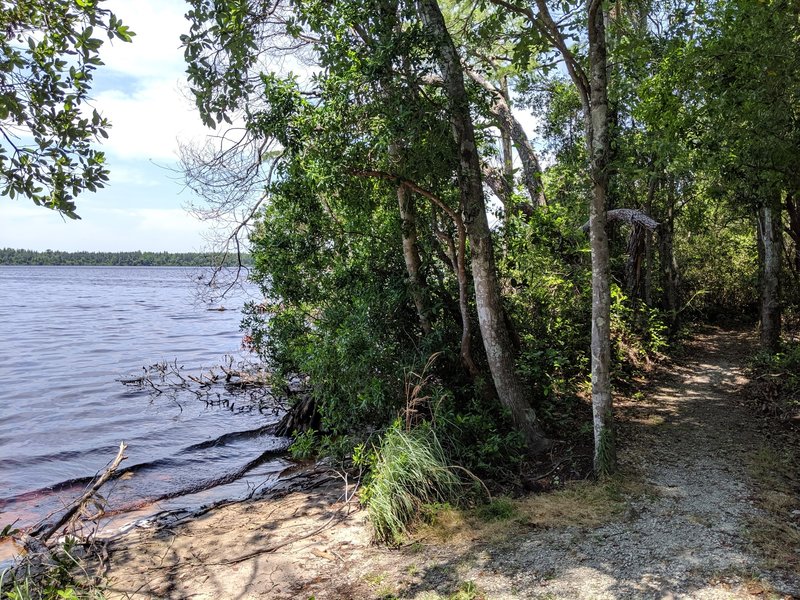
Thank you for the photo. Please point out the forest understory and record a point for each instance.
(706, 507)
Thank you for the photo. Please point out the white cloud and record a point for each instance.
(144, 94)
(158, 25)
(23, 225)
(150, 122)
(131, 176)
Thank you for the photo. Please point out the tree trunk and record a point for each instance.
(496, 338)
(667, 265)
(457, 259)
(637, 250)
(505, 136)
(604, 444)
(793, 208)
(770, 231)
(511, 129)
(416, 279)
(648, 245)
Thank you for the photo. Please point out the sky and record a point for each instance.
(142, 90)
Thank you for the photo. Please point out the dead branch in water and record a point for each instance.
(82, 501)
(241, 386)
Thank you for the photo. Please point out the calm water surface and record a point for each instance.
(67, 335)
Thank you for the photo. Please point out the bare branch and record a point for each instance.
(81, 502)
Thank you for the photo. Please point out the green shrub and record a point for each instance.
(304, 445)
(65, 578)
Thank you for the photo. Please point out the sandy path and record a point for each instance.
(688, 438)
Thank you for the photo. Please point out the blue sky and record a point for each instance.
(142, 91)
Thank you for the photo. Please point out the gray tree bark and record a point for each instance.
(496, 338)
(593, 92)
(605, 456)
(416, 279)
(512, 130)
(627, 215)
(770, 231)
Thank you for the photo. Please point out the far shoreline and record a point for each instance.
(10, 257)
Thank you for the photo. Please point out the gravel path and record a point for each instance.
(691, 437)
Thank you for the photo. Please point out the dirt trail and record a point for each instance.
(688, 438)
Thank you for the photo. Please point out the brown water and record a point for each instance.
(67, 336)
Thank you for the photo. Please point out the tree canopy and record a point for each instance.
(48, 128)
(398, 210)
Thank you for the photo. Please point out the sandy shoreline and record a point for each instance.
(282, 545)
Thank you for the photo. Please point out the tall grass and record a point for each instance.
(410, 471)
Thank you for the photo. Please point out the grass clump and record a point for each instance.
(410, 471)
(499, 509)
(57, 581)
(468, 591)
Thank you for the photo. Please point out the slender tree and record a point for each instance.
(496, 337)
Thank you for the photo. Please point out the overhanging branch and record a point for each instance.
(627, 215)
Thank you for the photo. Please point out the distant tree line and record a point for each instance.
(11, 256)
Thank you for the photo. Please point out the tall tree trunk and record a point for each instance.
(605, 458)
(416, 279)
(667, 264)
(648, 244)
(496, 338)
(770, 231)
(593, 92)
(505, 136)
(793, 208)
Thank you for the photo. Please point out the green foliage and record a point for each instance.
(638, 331)
(8, 531)
(686, 90)
(305, 445)
(779, 373)
(48, 55)
(546, 265)
(719, 264)
(479, 435)
(410, 470)
(786, 361)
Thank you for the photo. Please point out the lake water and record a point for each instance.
(67, 336)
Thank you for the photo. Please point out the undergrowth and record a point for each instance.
(775, 384)
(775, 530)
(59, 577)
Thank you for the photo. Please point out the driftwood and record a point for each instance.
(81, 502)
(628, 215)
